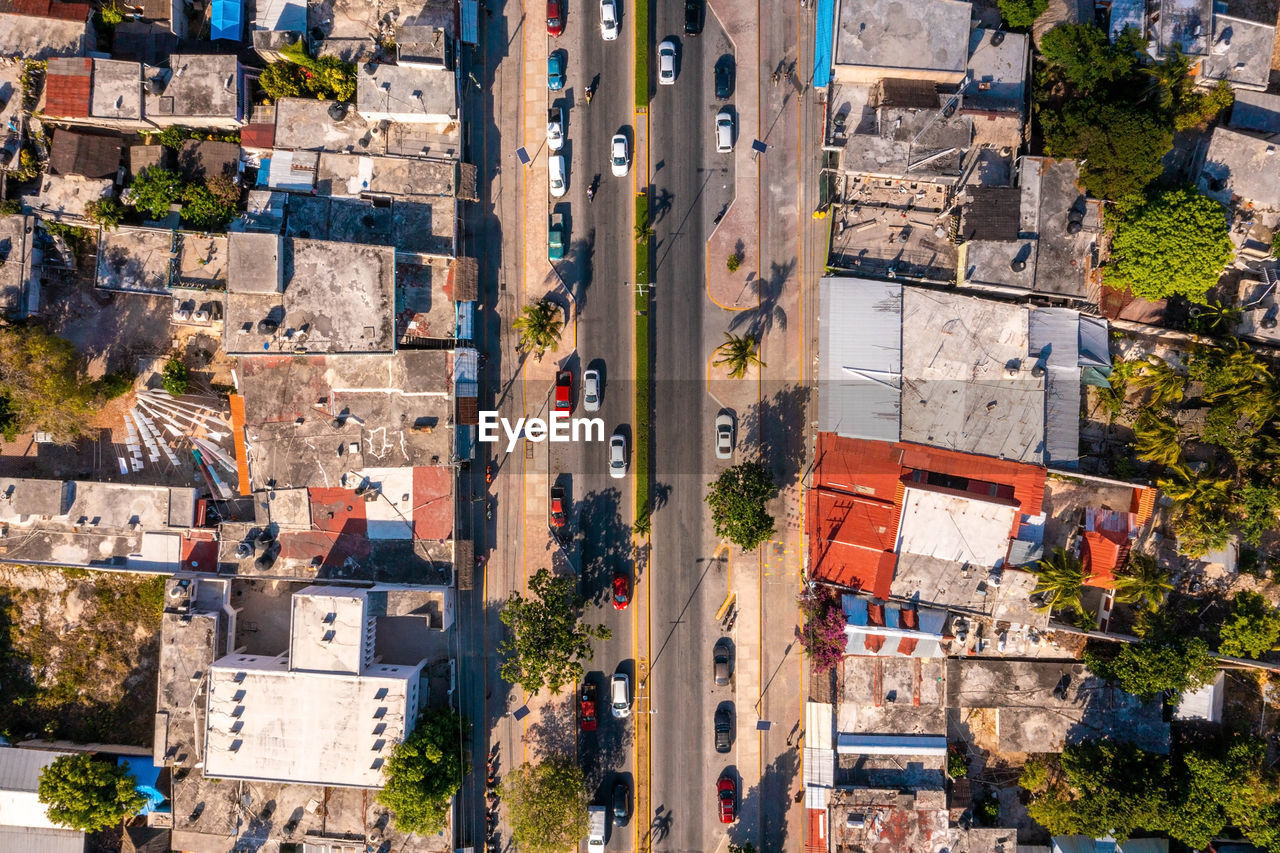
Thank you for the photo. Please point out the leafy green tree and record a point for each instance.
(107, 212)
(1144, 582)
(1255, 509)
(1120, 145)
(539, 325)
(1155, 439)
(40, 375)
(548, 641)
(737, 499)
(1082, 57)
(175, 377)
(1060, 580)
(1103, 788)
(154, 189)
(1252, 629)
(281, 80)
(202, 210)
(1168, 663)
(83, 793)
(1174, 245)
(737, 354)
(547, 803)
(1166, 385)
(425, 770)
(1021, 14)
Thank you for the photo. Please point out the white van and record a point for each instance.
(596, 820)
(620, 695)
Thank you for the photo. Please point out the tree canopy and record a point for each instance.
(1252, 629)
(1159, 663)
(40, 377)
(548, 641)
(84, 793)
(154, 189)
(1120, 144)
(822, 634)
(425, 770)
(1021, 14)
(547, 803)
(737, 500)
(1174, 245)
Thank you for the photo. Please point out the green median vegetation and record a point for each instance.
(644, 234)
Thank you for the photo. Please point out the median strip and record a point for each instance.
(643, 234)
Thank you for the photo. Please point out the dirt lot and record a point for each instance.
(78, 654)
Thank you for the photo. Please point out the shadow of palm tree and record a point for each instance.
(761, 318)
(769, 800)
(766, 425)
(609, 546)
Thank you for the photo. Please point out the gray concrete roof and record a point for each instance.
(31, 37)
(117, 90)
(15, 249)
(999, 72)
(1244, 166)
(1185, 23)
(407, 93)
(1256, 111)
(62, 196)
(305, 123)
(908, 137)
(946, 583)
(1241, 52)
(254, 262)
(196, 87)
(351, 175)
(136, 259)
(425, 225)
(927, 35)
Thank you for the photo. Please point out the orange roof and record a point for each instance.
(47, 9)
(67, 87)
(851, 541)
(1103, 553)
(258, 135)
(1026, 480)
(871, 468)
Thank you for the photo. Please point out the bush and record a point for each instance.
(987, 811)
(204, 211)
(957, 764)
(822, 634)
(40, 377)
(107, 212)
(734, 261)
(28, 165)
(154, 190)
(1174, 245)
(114, 385)
(737, 500)
(175, 378)
(10, 207)
(1252, 629)
(1021, 14)
(84, 793)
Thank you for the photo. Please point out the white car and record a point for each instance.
(620, 695)
(619, 158)
(555, 129)
(724, 131)
(667, 63)
(591, 390)
(724, 436)
(556, 176)
(617, 456)
(608, 20)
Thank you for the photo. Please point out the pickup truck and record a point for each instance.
(564, 390)
(596, 818)
(555, 129)
(558, 510)
(555, 238)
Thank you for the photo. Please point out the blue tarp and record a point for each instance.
(147, 776)
(824, 27)
(228, 19)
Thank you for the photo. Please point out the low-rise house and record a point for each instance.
(94, 92)
(90, 155)
(196, 91)
(41, 29)
(24, 820)
(65, 198)
(1240, 53)
(879, 38)
(409, 94)
(1241, 170)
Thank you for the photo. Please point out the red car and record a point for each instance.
(727, 793)
(621, 591)
(558, 513)
(587, 707)
(555, 17)
(564, 390)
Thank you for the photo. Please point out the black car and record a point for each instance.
(724, 729)
(724, 78)
(621, 803)
(692, 17)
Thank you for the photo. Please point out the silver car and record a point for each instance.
(617, 456)
(591, 390)
(620, 695)
(724, 436)
(556, 179)
(724, 131)
(667, 63)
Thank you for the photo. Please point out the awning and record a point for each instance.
(227, 19)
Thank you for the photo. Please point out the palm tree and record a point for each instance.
(1183, 486)
(1165, 384)
(1155, 439)
(1060, 580)
(1144, 582)
(737, 353)
(539, 325)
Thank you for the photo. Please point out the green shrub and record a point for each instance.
(175, 378)
(114, 385)
(1021, 14)
(154, 189)
(734, 261)
(107, 212)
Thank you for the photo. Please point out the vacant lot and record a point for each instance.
(78, 654)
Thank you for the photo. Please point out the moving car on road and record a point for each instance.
(620, 695)
(619, 157)
(555, 70)
(556, 176)
(724, 131)
(724, 436)
(555, 17)
(564, 390)
(591, 390)
(667, 63)
(559, 509)
(621, 803)
(692, 17)
(724, 729)
(621, 591)
(721, 661)
(587, 706)
(555, 128)
(727, 794)
(617, 456)
(609, 20)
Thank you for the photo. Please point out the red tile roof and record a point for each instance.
(1027, 480)
(47, 9)
(67, 87)
(871, 468)
(258, 136)
(851, 540)
(433, 503)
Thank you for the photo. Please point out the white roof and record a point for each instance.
(955, 527)
(19, 779)
(327, 631)
(1204, 703)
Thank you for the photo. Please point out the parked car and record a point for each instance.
(556, 180)
(617, 456)
(609, 20)
(564, 390)
(619, 157)
(555, 17)
(727, 794)
(724, 729)
(667, 63)
(721, 662)
(620, 695)
(591, 390)
(559, 507)
(621, 591)
(621, 803)
(587, 706)
(555, 128)
(724, 131)
(724, 436)
(692, 17)
(555, 70)
(555, 238)
(724, 77)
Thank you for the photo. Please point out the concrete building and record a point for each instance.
(65, 198)
(417, 93)
(94, 92)
(195, 91)
(996, 96)
(1240, 53)
(24, 820)
(43, 29)
(273, 719)
(1185, 24)
(1256, 112)
(1241, 169)
(889, 38)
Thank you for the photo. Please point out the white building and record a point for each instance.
(24, 820)
(325, 712)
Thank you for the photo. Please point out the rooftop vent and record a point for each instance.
(997, 38)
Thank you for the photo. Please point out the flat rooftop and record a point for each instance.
(117, 90)
(425, 225)
(137, 260)
(891, 35)
(308, 124)
(15, 252)
(968, 588)
(1240, 166)
(327, 630)
(354, 176)
(1241, 53)
(1186, 24)
(34, 37)
(66, 196)
(999, 71)
(196, 87)
(1256, 111)
(407, 93)
(955, 526)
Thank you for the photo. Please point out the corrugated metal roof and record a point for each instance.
(20, 768)
(33, 840)
(1095, 342)
(1054, 334)
(860, 352)
(851, 541)
(861, 744)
